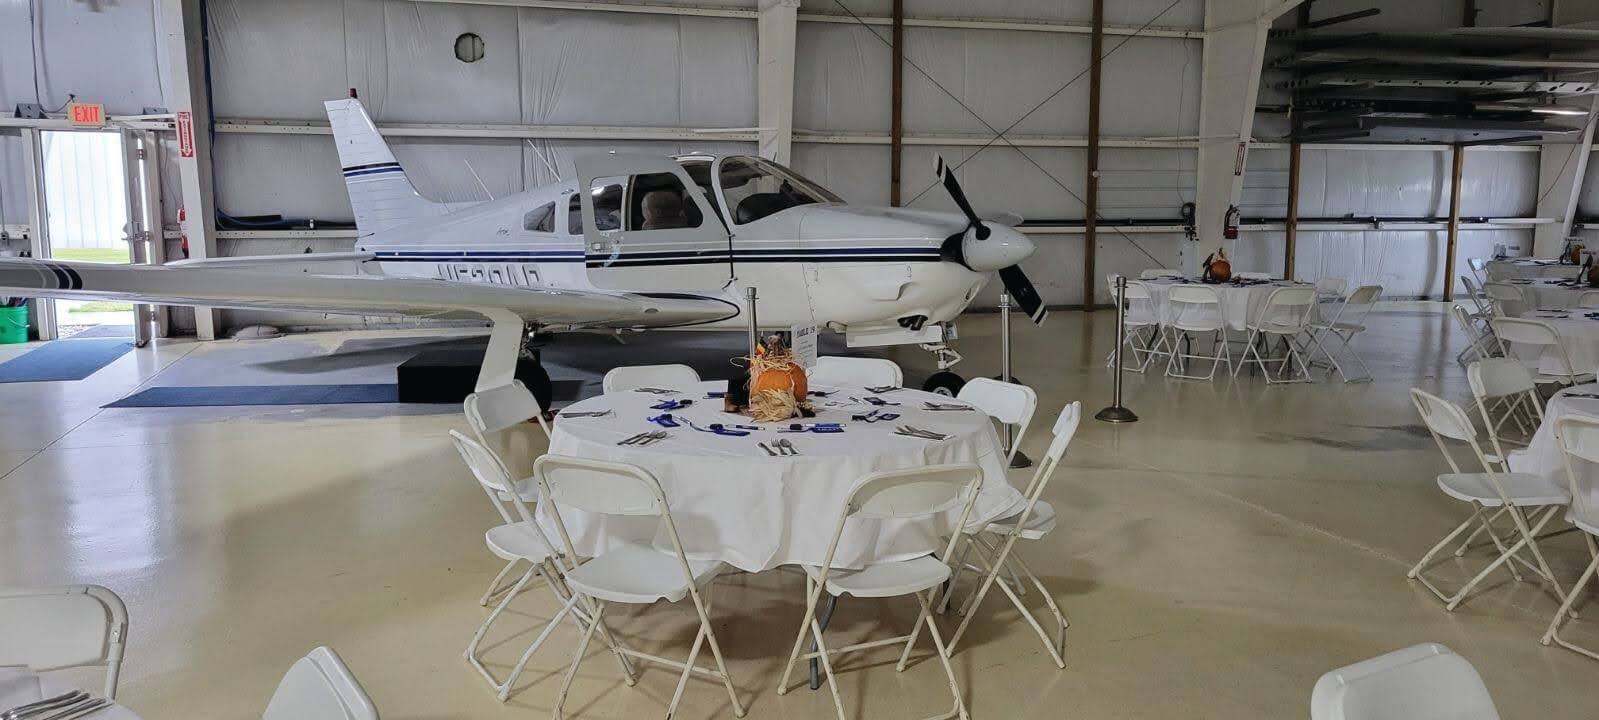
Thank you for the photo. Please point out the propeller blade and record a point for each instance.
(953, 187)
(1022, 292)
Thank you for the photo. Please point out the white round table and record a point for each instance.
(1542, 455)
(20, 686)
(1239, 302)
(1549, 293)
(1510, 268)
(733, 502)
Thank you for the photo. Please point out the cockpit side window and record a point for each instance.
(607, 209)
(540, 219)
(756, 188)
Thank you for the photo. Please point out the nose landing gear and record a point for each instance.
(944, 382)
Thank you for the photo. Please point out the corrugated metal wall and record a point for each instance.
(281, 58)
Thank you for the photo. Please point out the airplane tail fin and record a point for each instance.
(380, 193)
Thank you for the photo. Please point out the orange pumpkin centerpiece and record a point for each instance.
(778, 387)
(1217, 268)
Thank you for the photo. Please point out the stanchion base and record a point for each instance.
(1116, 414)
(1021, 460)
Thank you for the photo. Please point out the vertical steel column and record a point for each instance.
(1291, 226)
(44, 309)
(896, 130)
(1454, 222)
(1090, 236)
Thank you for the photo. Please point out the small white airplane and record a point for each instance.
(626, 246)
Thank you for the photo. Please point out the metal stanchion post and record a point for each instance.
(1116, 413)
(1020, 460)
(755, 332)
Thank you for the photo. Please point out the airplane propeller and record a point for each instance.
(988, 246)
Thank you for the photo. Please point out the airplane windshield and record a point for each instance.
(756, 188)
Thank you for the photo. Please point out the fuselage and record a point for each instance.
(815, 261)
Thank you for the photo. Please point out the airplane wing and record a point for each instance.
(355, 295)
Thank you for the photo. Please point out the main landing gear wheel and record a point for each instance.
(530, 370)
(945, 383)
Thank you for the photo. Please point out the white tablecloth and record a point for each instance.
(1578, 331)
(1549, 293)
(20, 686)
(1239, 303)
(1521, 268)
(734, 503)
(1542, 455)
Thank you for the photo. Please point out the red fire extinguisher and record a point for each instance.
(182, 216)
(1230, 227)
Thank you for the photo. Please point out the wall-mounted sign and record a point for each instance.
(185, 133)
(86, 114)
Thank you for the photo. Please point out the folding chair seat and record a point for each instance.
(906, 495)
(1513, 493)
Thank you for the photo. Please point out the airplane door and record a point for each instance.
(647, 226)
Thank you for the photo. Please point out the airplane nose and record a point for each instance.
(1004, 247)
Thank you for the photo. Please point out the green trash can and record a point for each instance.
(13, 325)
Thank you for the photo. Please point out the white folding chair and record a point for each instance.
(1285, 314)
(1505, 392)
(1542, 336)
(1343, 326)
(1475, 321)
(1254, 276)
(502, 408)
(1561, 272)
(320, 687)
(1588, 300)
(673, 376)
(1036, 519)
(1577, 436)
(1420, 682)
(1142, 316)
(1505, 299)
(519, 539)
(1483, 343)
(70, 626)
(1196, 309)
(1154, 274)
(1012, 404)
(912, 494)
(1490, 489)
(855, 372)
(632, 573)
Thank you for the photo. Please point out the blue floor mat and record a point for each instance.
(216, 396)
(64, 360)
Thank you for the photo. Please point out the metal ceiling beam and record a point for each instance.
(1019, 24)
(1408, 57)
(1565, 87)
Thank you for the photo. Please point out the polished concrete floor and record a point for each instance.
(1214, 558)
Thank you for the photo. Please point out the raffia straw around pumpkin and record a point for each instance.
(772, 406)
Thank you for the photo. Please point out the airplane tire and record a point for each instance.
(532, 374)
(944, 383)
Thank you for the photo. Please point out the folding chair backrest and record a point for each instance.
(1445, 419)
(1588, 300)
(496, 481)
(1577, 436)
(672, 376)
(1483, 350)
(1331, 286)
(504, 407)
(1157, 273)
(1498, 377)
(1421, 682)
(1064, 429)
(1478, 297)
(50, 628)
(320, 687)
(1195, 307)
(1288, 307)
(914, 493)
(856, 371)
(1009, 403)
(1508, 300)
(597, 486)
(1530, 332)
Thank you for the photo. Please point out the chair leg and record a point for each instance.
(943, 659)
(1049, 600)
(1567, 606)
(516, 672)
(1415, 572)
(812, 593)
(577, 658)
(716, 652)
(1486, 526)
(494, 588)
(682, 680)
(827, 667)
(477, 637)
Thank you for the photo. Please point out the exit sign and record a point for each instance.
(86, 114)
